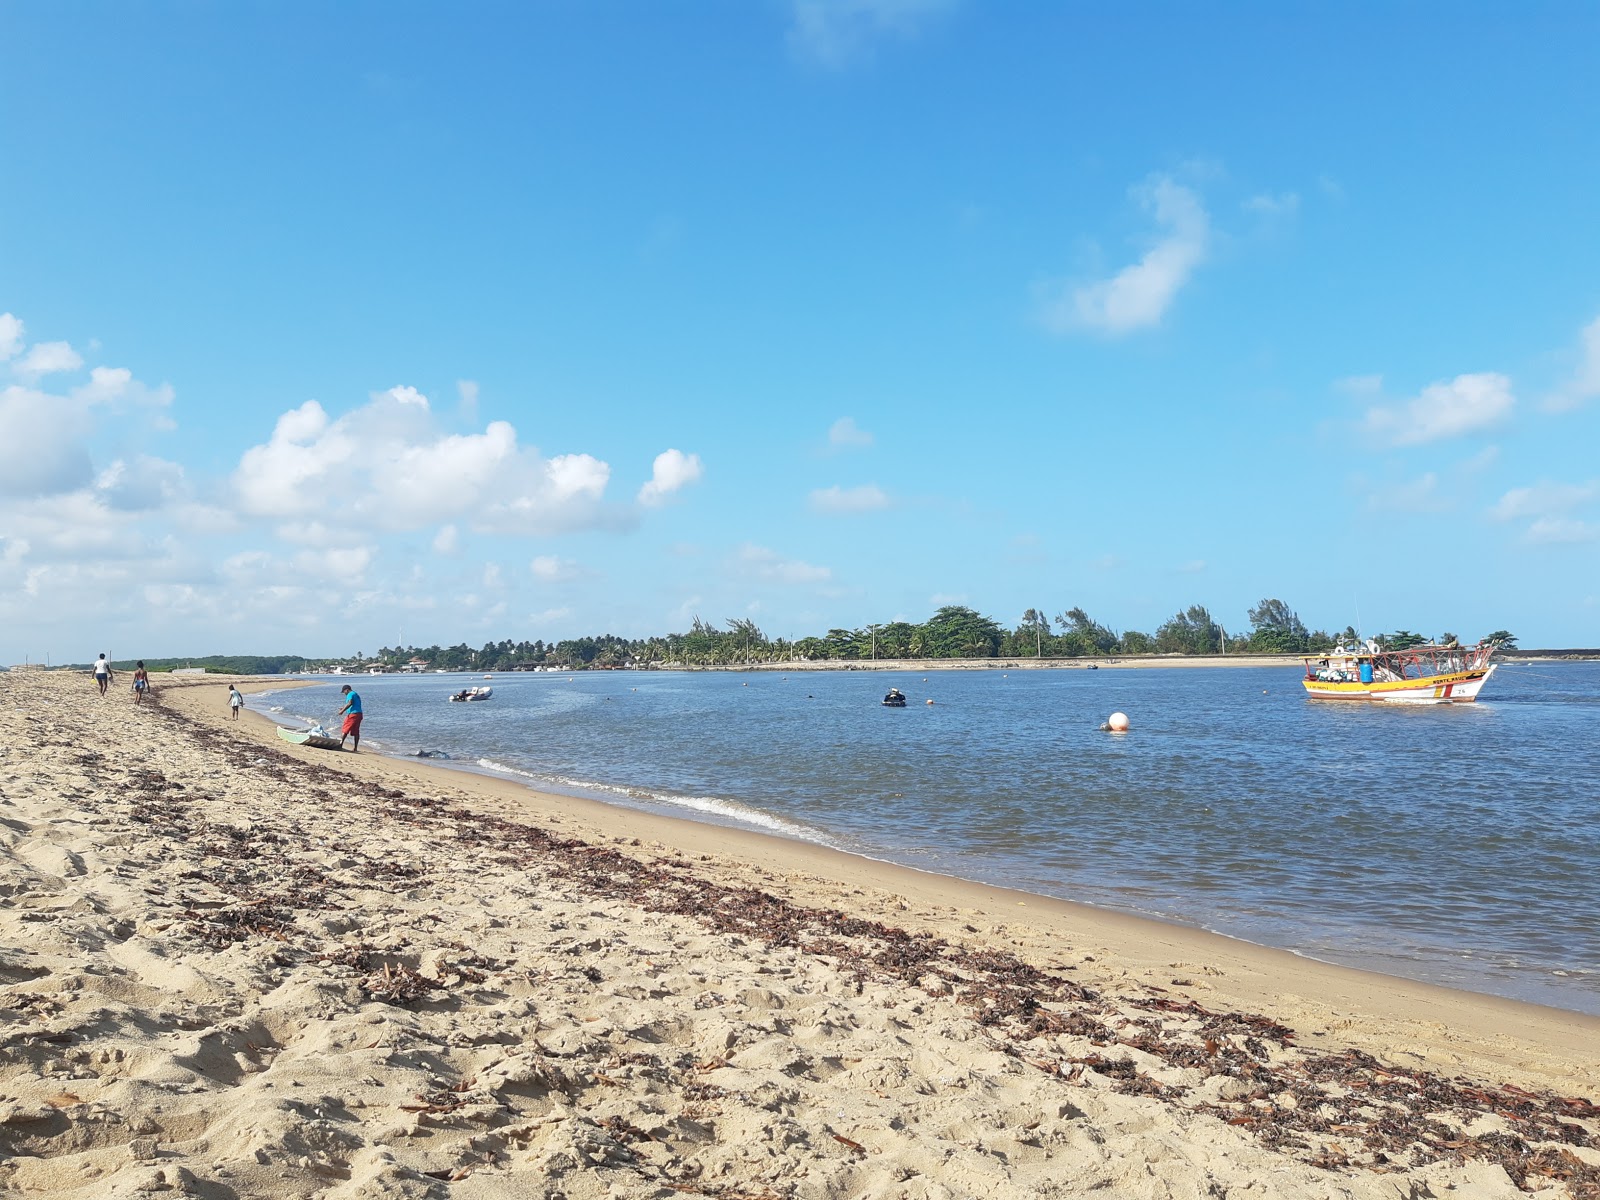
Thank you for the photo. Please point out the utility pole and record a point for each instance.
(874, 629)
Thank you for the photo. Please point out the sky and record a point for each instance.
(328, 328)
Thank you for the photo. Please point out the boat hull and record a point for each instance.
(1457, 687)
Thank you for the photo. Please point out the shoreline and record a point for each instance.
(237, 967)
(614, 802)
(833, 867)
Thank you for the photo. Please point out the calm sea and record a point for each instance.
(1456, 844)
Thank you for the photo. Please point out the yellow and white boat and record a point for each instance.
(1416, 675)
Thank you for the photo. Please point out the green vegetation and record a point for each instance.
(220, 664)
(952, 632)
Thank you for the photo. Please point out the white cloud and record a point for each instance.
(347, 565)
(1140, 294)
(467, 390)
(837, 501)
(578, 475)
(42, 450)
(940, 599)
(1544, 500)
(1562, 531)
(48, 358)
(491, 576)
(319, 534)
(141, 484)
(553, 569)
(549, 616)
(673, 469)
(834, 33)
(1194, 566)
(385, 465)
(1464, 405)
(408, 396)
(447, 540)
(10, 336)
(769, 565)
(1585, 382)
(845, 434)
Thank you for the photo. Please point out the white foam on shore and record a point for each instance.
(711, 806)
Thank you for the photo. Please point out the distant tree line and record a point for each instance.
(218, 664)
(952, 632)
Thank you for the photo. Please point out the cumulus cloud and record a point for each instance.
(834, 33)
(838, 501)
(1463, 405)
(1139, 295)
(385, 465)
(765, 564)
(48, 358)
(673, 469)
(1585, 382)
(467, 390)
(141, 484)
(10, 336)
(845, 434)
(42, 443)
(447, 540)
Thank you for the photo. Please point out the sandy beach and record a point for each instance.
(230, 967)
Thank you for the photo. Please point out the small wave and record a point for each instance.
(276, 708)
(711, 806)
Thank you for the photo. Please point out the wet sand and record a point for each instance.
(233, 967)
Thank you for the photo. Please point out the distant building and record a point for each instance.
(30, 667)
(187, 671)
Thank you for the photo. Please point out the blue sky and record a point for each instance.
(332, 325)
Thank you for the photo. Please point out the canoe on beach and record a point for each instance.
(301, 737)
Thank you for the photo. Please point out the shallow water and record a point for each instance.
(1457, 844)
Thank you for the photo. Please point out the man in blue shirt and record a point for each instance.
(351, 712)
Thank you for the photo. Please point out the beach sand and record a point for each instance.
(230, 967)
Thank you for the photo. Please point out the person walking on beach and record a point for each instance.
(351, 712)
(102, 673)
(141, 682)
(235, 701)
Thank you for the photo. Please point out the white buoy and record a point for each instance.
(1117, 722)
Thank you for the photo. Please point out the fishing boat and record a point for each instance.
(472, 693)
(1428, 674)
(305, 737)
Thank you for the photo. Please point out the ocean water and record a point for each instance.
(1456, 844)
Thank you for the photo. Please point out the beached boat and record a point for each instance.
(1416, 675)
(472, 693)
(304, 737)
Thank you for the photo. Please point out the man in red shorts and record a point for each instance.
(351, 712)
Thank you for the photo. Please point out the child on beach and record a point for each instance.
(102, 673)
(235, 701)
(141, 682)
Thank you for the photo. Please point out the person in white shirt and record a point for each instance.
(102, 673)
